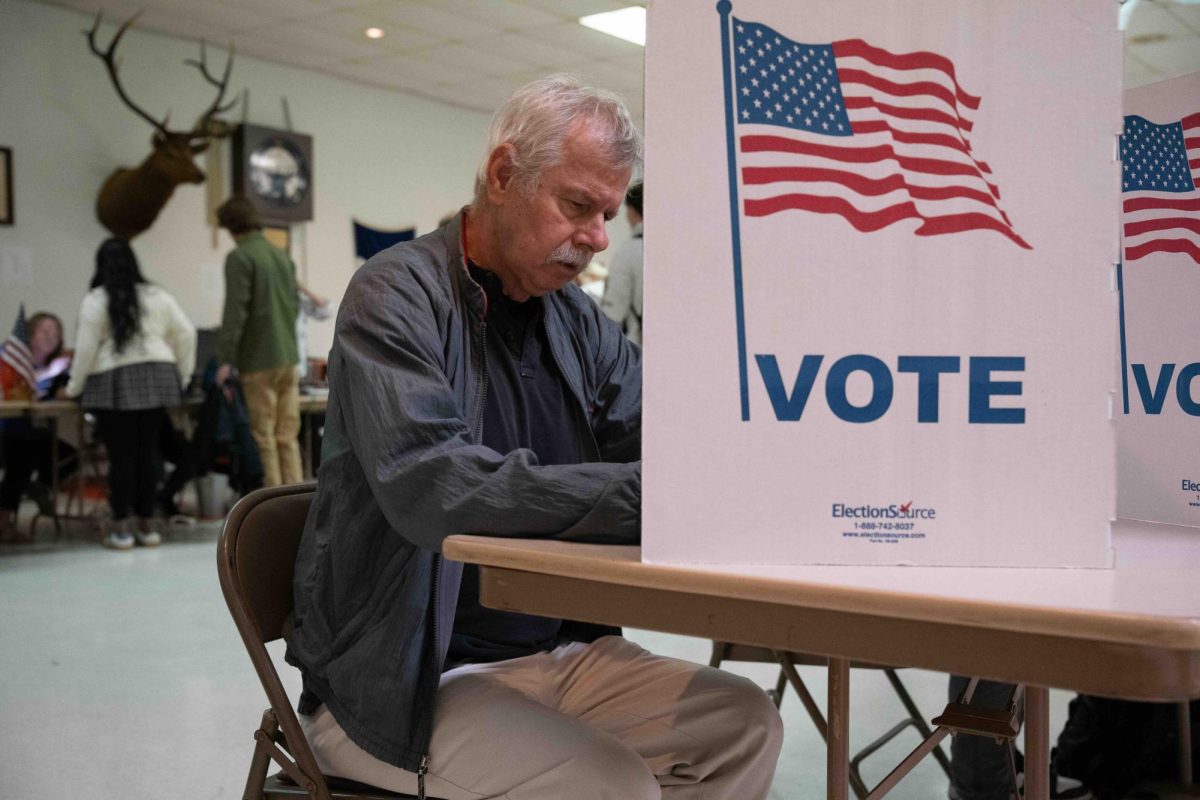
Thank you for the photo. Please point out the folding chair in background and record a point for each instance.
(788, 674)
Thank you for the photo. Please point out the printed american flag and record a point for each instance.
(854, 130)
(1160, 181)
(15, 351)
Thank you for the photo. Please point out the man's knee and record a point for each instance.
(608, 770)
(750, 719)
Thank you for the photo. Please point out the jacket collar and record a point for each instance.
(452, 238)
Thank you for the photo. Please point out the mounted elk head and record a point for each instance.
(130, 199)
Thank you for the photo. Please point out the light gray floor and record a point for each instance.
(123, 677)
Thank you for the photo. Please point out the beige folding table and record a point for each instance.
(1132, 632)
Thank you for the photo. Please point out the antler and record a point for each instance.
(107, 57)
(206, 126)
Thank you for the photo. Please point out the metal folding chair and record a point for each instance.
(256, 557)
(788, 674)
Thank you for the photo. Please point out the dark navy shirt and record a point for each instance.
(528, 405)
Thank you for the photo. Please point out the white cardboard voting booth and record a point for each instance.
(1158, 427)
(880, 246)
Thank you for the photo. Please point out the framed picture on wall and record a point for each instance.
(279, 236)
(6, 186)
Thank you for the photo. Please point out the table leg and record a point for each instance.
(1184, 718)
(837, 745)
(1037, 743)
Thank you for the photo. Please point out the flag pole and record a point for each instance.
(1124, 350)
(724, 7)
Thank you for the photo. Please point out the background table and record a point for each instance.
(1131, 632)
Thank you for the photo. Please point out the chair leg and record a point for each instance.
(918, 720)
(262, 759)
(780, 684)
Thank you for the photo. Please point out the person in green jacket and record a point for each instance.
(258, 338)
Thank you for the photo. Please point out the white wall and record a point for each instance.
(388, 159)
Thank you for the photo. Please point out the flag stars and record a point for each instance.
(770, 114)
(790, 118)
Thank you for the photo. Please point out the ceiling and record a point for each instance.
(473, 53)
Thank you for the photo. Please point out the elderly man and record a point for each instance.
(474, 389)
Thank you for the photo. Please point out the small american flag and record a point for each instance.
(1160, 180)
(15, 351)
(857, 131)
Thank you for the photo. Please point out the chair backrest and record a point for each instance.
(257, 555)
(256, 558)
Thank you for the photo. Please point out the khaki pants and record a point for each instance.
(273, 400)
(584, 722)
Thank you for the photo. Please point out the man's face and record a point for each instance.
(44, 339)
(549, 238)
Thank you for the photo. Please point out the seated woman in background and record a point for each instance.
(28, 446)
(134, 352)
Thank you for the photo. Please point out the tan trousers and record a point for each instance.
(273, 400)
(584, 722)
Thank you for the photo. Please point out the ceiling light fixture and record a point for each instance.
(374, 33)
(625, 23)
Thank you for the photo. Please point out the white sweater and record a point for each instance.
(166, 335)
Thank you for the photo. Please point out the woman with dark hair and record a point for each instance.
(27, 445)
(134, 351)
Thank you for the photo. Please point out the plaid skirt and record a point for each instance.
(150, 384)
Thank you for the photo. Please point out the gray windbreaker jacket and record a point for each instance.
(402, 468)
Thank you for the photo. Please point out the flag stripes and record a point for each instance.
(854, 130)
(1160, 173)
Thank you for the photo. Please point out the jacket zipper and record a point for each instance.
(421, 771)
(481, 393)
(587, 417)
(477, 437)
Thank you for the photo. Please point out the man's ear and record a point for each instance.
(500, 173)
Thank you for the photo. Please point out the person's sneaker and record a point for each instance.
(148, 538)
(119, 540)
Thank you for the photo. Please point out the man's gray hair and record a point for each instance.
(537, 118)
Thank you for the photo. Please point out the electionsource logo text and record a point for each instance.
(893, 511)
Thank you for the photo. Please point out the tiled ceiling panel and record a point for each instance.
(473, 53)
